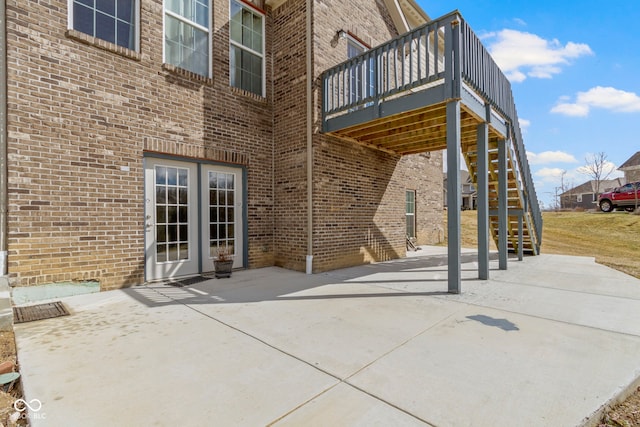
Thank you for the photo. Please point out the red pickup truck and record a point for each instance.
(622, 197)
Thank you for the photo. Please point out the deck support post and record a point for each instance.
(454, 197)
(520, 238)
(503, 205)
(453, 89)
(482, 172)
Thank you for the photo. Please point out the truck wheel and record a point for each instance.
(606, 206)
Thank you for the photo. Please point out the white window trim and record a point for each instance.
(241, 46)
(413, 214)
(136, 22)
(366, 69)
(181, 18)
(351, 39)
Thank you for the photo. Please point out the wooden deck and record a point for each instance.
(434, 88)
(425, 129)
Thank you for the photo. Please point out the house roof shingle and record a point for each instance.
(633, 162)
(589, 187)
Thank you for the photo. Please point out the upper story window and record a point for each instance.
(115, 21)
(246, 48)
(362, 75)
(187, 35)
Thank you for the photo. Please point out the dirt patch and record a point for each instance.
(626, 414)
(7, 398)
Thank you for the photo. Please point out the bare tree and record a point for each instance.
(598, 168)
(563, 189)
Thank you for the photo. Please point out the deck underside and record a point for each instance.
(424, 129)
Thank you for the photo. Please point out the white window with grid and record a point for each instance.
(362, 75)
(411, 213)
(187, 35)
(246, 48)
(115, 21)
(222, 213)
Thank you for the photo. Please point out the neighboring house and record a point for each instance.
(146, 136)
(586, 195)
(468, 190)
(631, 168)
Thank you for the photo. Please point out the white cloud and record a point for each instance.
(547, 157)
(520, 22)
(549, 174)
(524, 124)
(608, 169)
(521, 54)
(573, 110)
(607, 98)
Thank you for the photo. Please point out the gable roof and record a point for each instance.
(406, 14)
(632, 163)
(589, 187)
(465, 178)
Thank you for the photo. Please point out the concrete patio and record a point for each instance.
(546, 343)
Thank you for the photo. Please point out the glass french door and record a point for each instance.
(186, 229)
(222, 214)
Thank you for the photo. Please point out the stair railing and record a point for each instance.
(417, 59)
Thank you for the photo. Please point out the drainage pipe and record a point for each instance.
(4, 202)
(310, 105)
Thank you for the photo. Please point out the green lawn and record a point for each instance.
(613, 238)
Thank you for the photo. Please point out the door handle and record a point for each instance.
(148, 226)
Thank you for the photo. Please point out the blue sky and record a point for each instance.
(574, 68)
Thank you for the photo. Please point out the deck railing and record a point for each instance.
(480, 72)
(411, 60)
(419, 59)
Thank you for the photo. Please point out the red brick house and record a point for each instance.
(144, 136)
(140, 138)
(631, 168)
(585, 195)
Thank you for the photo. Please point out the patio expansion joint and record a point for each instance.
(402, 344)
(511, 283)
(338, 379)
(564, 322)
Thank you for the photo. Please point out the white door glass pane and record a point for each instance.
(221, 213)
(172, 230)
(171, 219)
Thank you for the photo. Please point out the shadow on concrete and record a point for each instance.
(503, 324)
(277, 284)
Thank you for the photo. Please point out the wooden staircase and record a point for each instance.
(515, 199)
(430, 89)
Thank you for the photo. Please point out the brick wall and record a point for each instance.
(81, 114)
(632, 175)
(359, 193)
(423, 173)
(289, 132)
